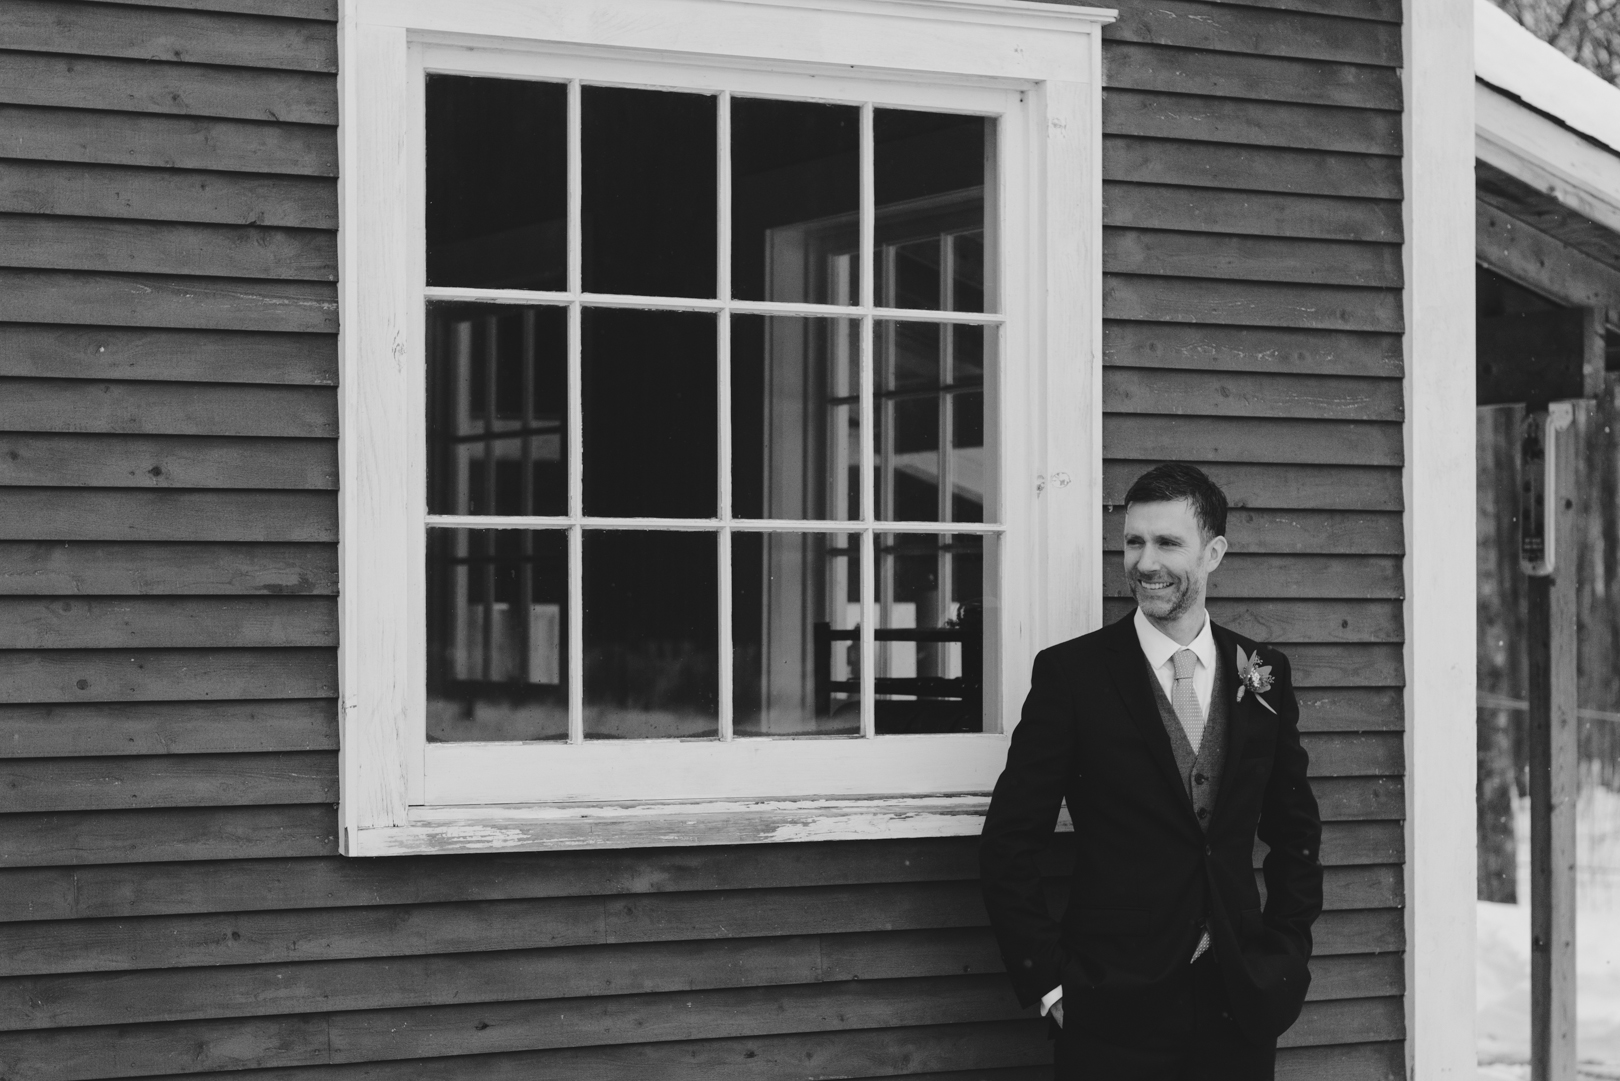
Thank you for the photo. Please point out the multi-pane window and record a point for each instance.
(712, 397)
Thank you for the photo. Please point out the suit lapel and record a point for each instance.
(1130, 673)
(1241, 722)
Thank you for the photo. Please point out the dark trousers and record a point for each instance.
(1186, 1035)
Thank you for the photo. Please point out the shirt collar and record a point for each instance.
(1160, 647)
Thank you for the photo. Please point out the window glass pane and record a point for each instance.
(796, 196)
(930, 631)
(497, 180)
(497, 404)
(795, 615)
(651, 635)
(795, 417)
(932, 463)
(651, 444)
(497, 643)
(928, 181)
(649, 192)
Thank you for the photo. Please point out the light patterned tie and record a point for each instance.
(1184, 700)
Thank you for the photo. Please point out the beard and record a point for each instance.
(1171, 602)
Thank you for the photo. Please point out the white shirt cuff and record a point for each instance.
(1050, 999)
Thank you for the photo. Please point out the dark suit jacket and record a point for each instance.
(1145, 874)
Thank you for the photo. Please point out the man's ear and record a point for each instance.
(1214, 552)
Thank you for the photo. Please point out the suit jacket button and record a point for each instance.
(1208, 851)
(1203, 812)
(1199, 778)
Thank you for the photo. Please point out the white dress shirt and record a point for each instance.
(1159, 648)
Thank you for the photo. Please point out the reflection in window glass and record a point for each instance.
(931, 460)
(651, 635)
(497, 406)
(930, 633)
(650, 413)
(795, 196)
(795, 417)
(929, 171)
(795, 616)
(497, 634)
(497, 182)
(648, 216)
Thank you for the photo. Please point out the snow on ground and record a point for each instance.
(1503, 957)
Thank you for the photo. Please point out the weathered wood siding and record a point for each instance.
(171, 901)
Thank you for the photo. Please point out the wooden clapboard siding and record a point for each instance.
(1253, 324)
(171, 900)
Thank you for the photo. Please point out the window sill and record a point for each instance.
(562, 827)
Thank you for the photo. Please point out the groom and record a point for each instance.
(1174, 742)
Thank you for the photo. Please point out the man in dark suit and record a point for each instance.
(1175, 742)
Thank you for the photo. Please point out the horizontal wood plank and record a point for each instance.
(1250, 213)
(191, 37)
(1357, 976)
(1352, 709)
(1387, 11)
(1241, 303)
(172, 461)
(891, 1050)
(1290, 576)
(1295, 620)
(278, 937)
(167, 142)
(1154, 115)
(166, 622)
(1301, 532)
(1268, 350)
(1359, 799)
(1346, 844)
(1356, 754)
(117, 191)
(141, 300)
(292, 9)
(100, 568)
(65, 839)
(1250, 168)
(148, 86)
(168, 728)
(1251, 394)
(67, 893)
(167, 780)
(1250, 258)
(158, 514)
(1255, 31)
(154, 408)
(1162, 437)
(1377, 1061)
(126, 353)
(1282, 487)
(265, 883)
(53, 242)
(1136, 66)
(157, 675)
(1359, 1020)
(1344, 665)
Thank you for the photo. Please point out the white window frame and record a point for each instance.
(1036, 65)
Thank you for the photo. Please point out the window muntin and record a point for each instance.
(712, 431)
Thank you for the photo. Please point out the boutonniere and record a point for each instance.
(1253, 676)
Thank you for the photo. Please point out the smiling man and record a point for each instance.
(1175, 743)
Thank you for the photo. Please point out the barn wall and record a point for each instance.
(171, 901)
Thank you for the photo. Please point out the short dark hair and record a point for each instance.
(1172, 481)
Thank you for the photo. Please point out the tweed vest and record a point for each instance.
(1200, 768)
